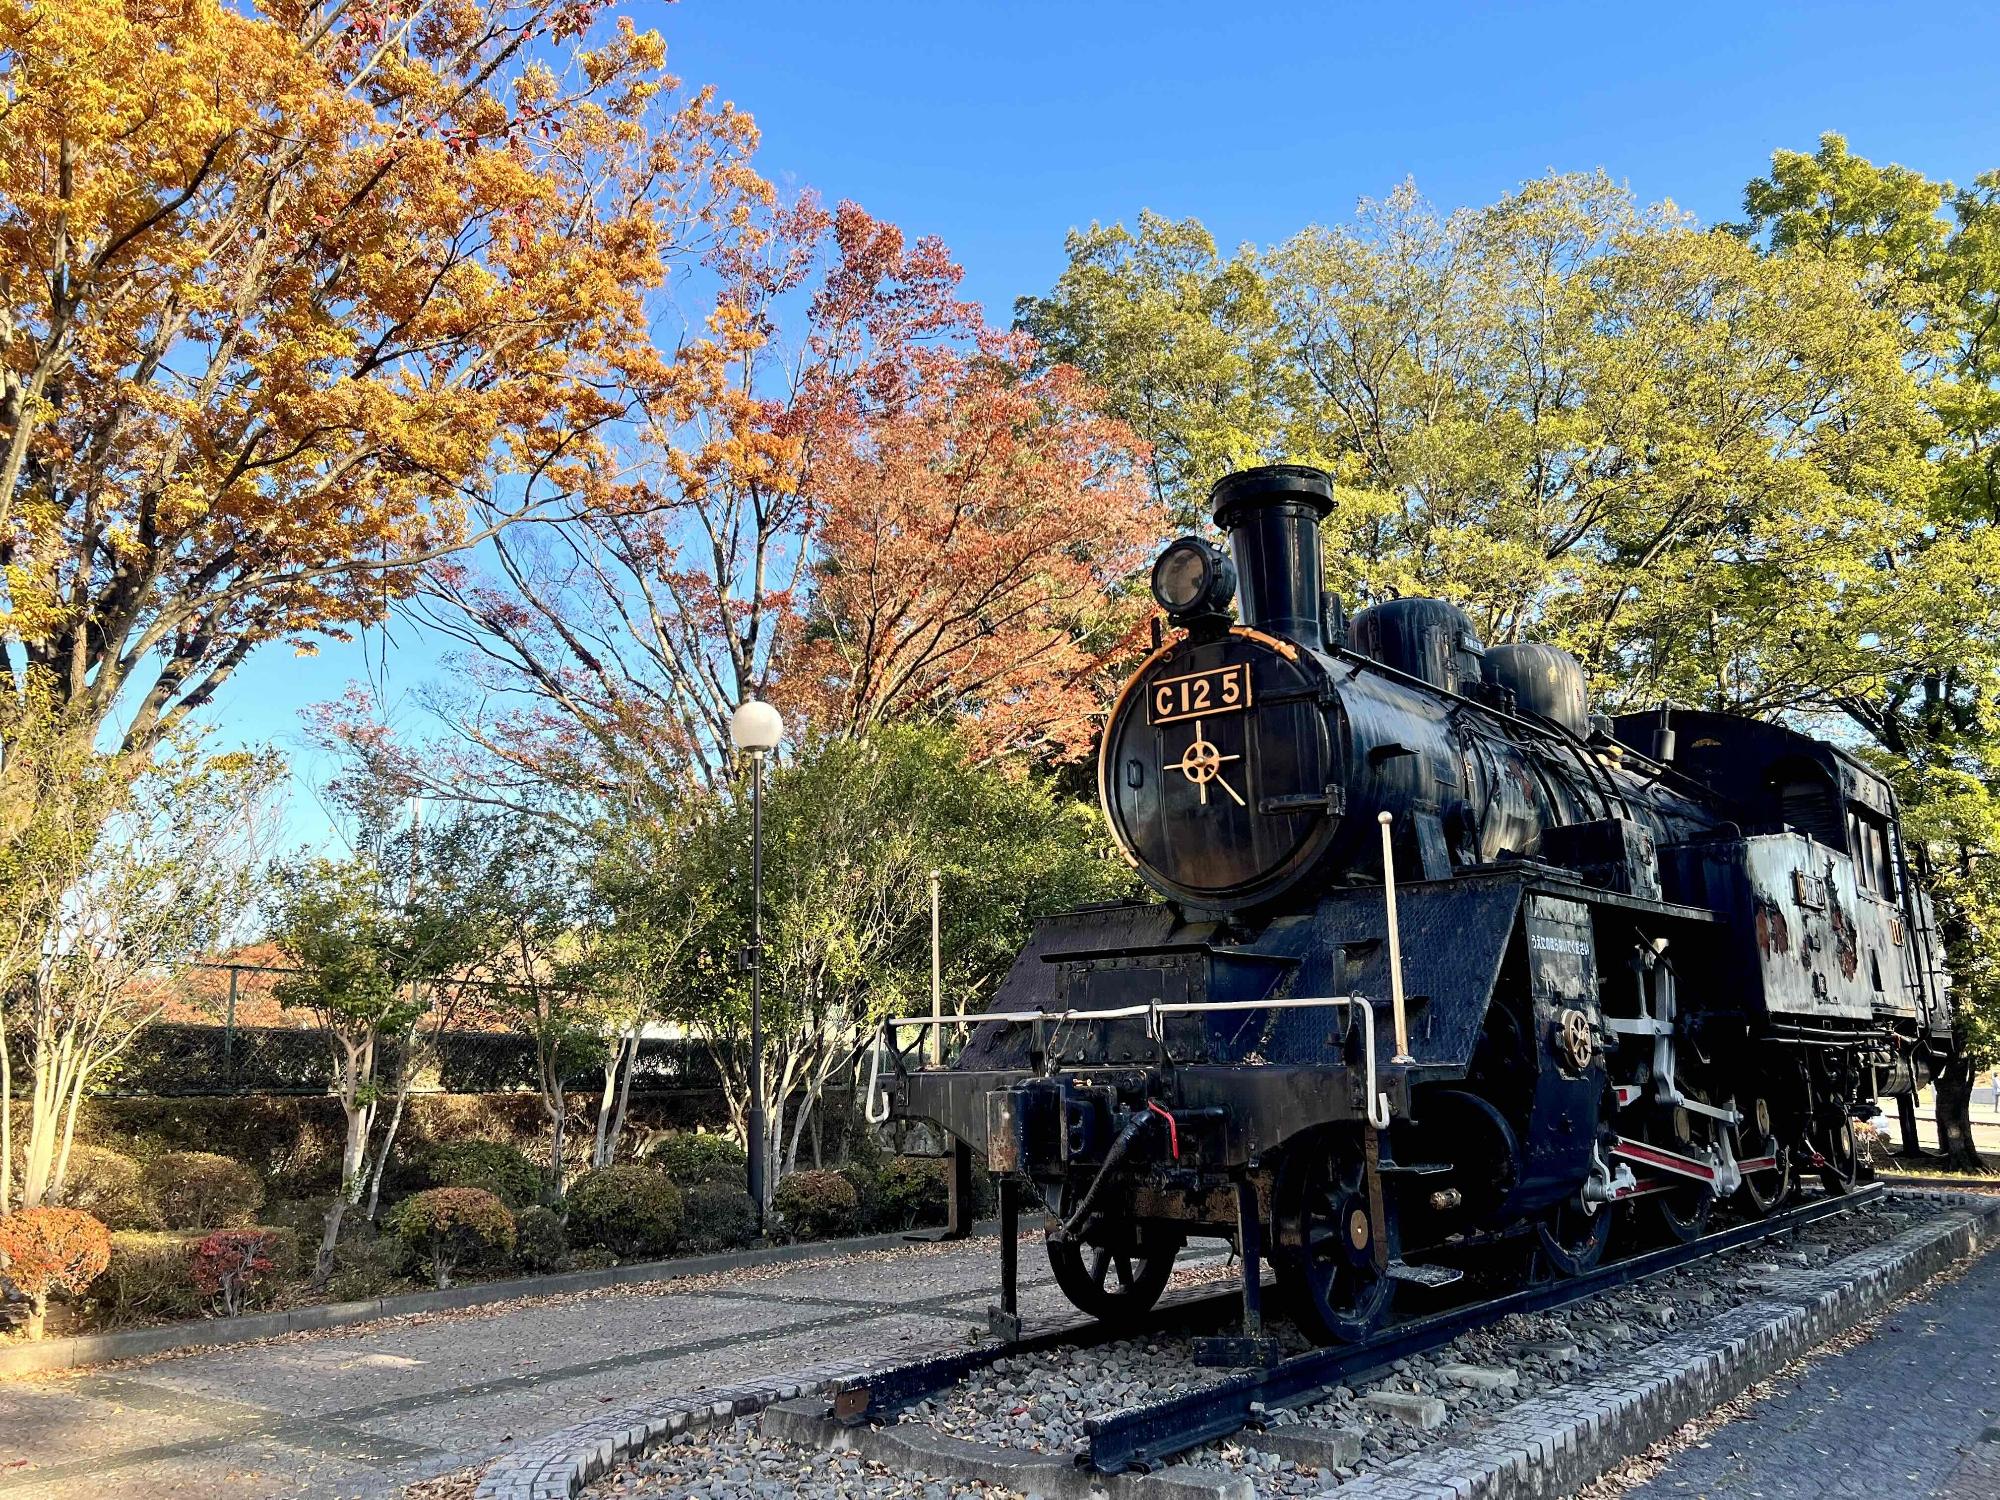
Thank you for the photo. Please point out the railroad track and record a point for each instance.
(1146, 1436)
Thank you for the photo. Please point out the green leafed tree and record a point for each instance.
(853, 827)
(1926, 254)
(1180, 338)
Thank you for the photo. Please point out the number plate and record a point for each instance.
(1219, 690)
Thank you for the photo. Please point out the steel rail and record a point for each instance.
(1147, 1435)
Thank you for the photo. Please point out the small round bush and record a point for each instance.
(540, 1242)
(234, 1268)
(634, 1212)
(499, 1168)
(44, 1250)
(911, 1190)
(817, 1205)
(200, 1190)
(110, 1187)
(692, 1159)
(448, 1226)
(719, 1217)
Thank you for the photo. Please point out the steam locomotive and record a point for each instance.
(1444, 964)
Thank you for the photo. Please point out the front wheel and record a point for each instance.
(1326, 1251)
(1116, 1282)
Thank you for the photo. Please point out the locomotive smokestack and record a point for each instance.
(1272, 516)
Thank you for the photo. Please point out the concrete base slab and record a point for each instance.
(1411, 1408)
(1322, 1447)
(1480, 1377)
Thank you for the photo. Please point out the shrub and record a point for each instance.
(44, 1250)
(147, 1277)
(497, 1167)
(634, 1212)
(719, 1217)
(231, 1267)
(448, 1226)
(910, 1190)
(540, 1243)
(817, 1205)
(693, 1160)
(110, 1187)
(200, 1190)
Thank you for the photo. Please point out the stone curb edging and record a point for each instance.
(100, 1348)
(556, 1466)
(1548, 1446)
(1557, 1443)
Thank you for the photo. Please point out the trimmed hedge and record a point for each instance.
(201, 1190)
(693, 1160)
(817, 1205)
(151, 1274)
(633, 1212)
(495, 1166)
(719, 1217)
(147, 1277)
(171, 1058)
(540, 1242)
(110, 1187)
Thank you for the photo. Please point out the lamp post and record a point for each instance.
(756, 727)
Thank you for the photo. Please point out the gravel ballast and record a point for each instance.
(1039, 1403)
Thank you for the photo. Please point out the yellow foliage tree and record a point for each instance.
(295, 299)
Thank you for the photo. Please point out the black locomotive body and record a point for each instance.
(1443, 964)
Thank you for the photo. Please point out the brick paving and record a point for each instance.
(1913, 1411)
(361, 1411)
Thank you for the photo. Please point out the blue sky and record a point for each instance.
(1000, 126)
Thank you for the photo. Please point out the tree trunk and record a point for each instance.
(599, 1157)
(38, 1311)
(388, 1143)
(6, 1121)
(624, 1097)
(323, 1265)
(1954, 1113)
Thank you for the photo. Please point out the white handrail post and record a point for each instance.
(1387, 820)
(937, 980)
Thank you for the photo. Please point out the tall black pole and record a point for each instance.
(757, 1129)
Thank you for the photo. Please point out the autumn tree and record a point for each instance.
(297, 299)
(758, 548)
(969, 560)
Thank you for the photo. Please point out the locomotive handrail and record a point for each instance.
(1378, 1101)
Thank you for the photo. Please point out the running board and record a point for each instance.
(1432, 1276)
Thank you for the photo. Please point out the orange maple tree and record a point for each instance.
(297, 298)
(876, 509)
(975, 532)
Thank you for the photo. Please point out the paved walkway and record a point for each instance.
(364, 1410)
(1912, 1412)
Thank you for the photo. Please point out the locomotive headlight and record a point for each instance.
(1194, 578)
